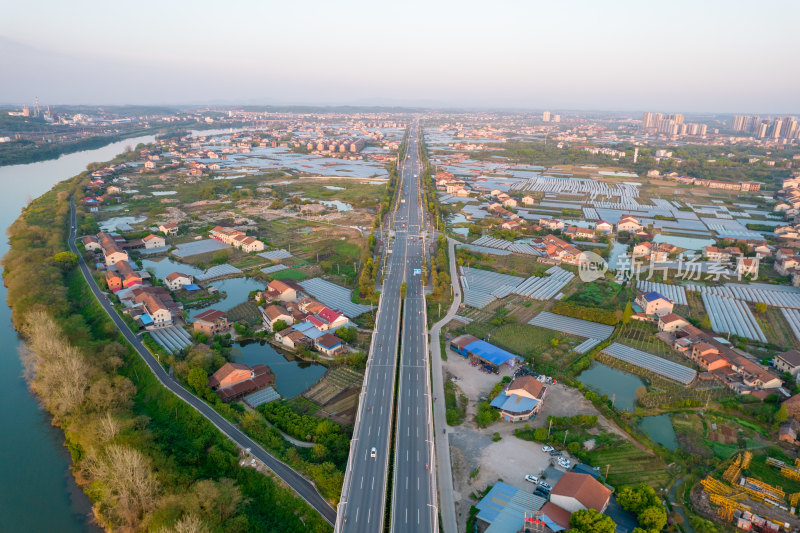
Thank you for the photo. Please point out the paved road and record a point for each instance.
(444, 474)
(414, 503)
(303, 487)
(363, 503)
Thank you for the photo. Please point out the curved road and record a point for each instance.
(303, 487)
(444, 473)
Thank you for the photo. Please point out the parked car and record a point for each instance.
(547, 448)
(541, 491)
(546, 485)
(564, 463)
(532, 479)
(555, 452)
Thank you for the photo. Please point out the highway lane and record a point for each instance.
(363, 502)
(303, 487)
(414, 487)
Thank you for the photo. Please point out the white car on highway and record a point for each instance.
(373, 453)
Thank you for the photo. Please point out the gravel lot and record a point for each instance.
(510, 458)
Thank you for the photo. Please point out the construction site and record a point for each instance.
(746, 502)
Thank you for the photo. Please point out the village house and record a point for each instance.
(272, 314)
(575, 492)
(522, 399)
(310, 306)
(91, 244)
(168, 229)
(327, 318)
(788, 362)
(122, 276)
(575, 232)
(671, 322)
(236, 238)
(604, 227)
(178, 280)
(158, 314)
(292, 338)
(512, 225)
(747, 266)
(642, 249)
(721, 255)
(653, 303)
(112, 252)
(528, 200)
(281, 290)
(154, 241)
(211, 322)
(629, 223)
(234, 380)
(329, 344)
(551, 224)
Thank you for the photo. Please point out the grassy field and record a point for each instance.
(524, 339)
(776, 329)
(628, 465)
(602, 293)
(760, 470)
(352, 192)
(289, 273)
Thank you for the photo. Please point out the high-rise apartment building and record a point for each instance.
(546, 116)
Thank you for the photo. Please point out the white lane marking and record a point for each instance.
(373, 483)
(369, 514)
(356, 514)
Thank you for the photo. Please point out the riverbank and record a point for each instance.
(117, 409)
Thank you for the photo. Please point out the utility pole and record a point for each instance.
(549, 428)
(565, 437)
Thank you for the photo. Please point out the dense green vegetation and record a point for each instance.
(455, 405)
(146, 459)
(593, 314)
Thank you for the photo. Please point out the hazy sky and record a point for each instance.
(678, 55)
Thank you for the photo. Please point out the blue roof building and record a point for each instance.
(514, 408)
(490, 353)
(504, 508)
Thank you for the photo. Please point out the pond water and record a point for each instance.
(617, 250)
(659, 429)
(338, 204)
(163, 193)
(292, 376)
(460, 231)
(237, 290)
(604, 379)
(457, 218)
(335, 188)
(112, 223)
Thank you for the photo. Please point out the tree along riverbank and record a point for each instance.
(146, 459)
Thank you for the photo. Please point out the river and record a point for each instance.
(37, 492)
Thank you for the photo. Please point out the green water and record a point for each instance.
(659, 429)
(613, 382)
(292, 376)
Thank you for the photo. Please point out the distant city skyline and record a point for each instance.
(681, 57)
